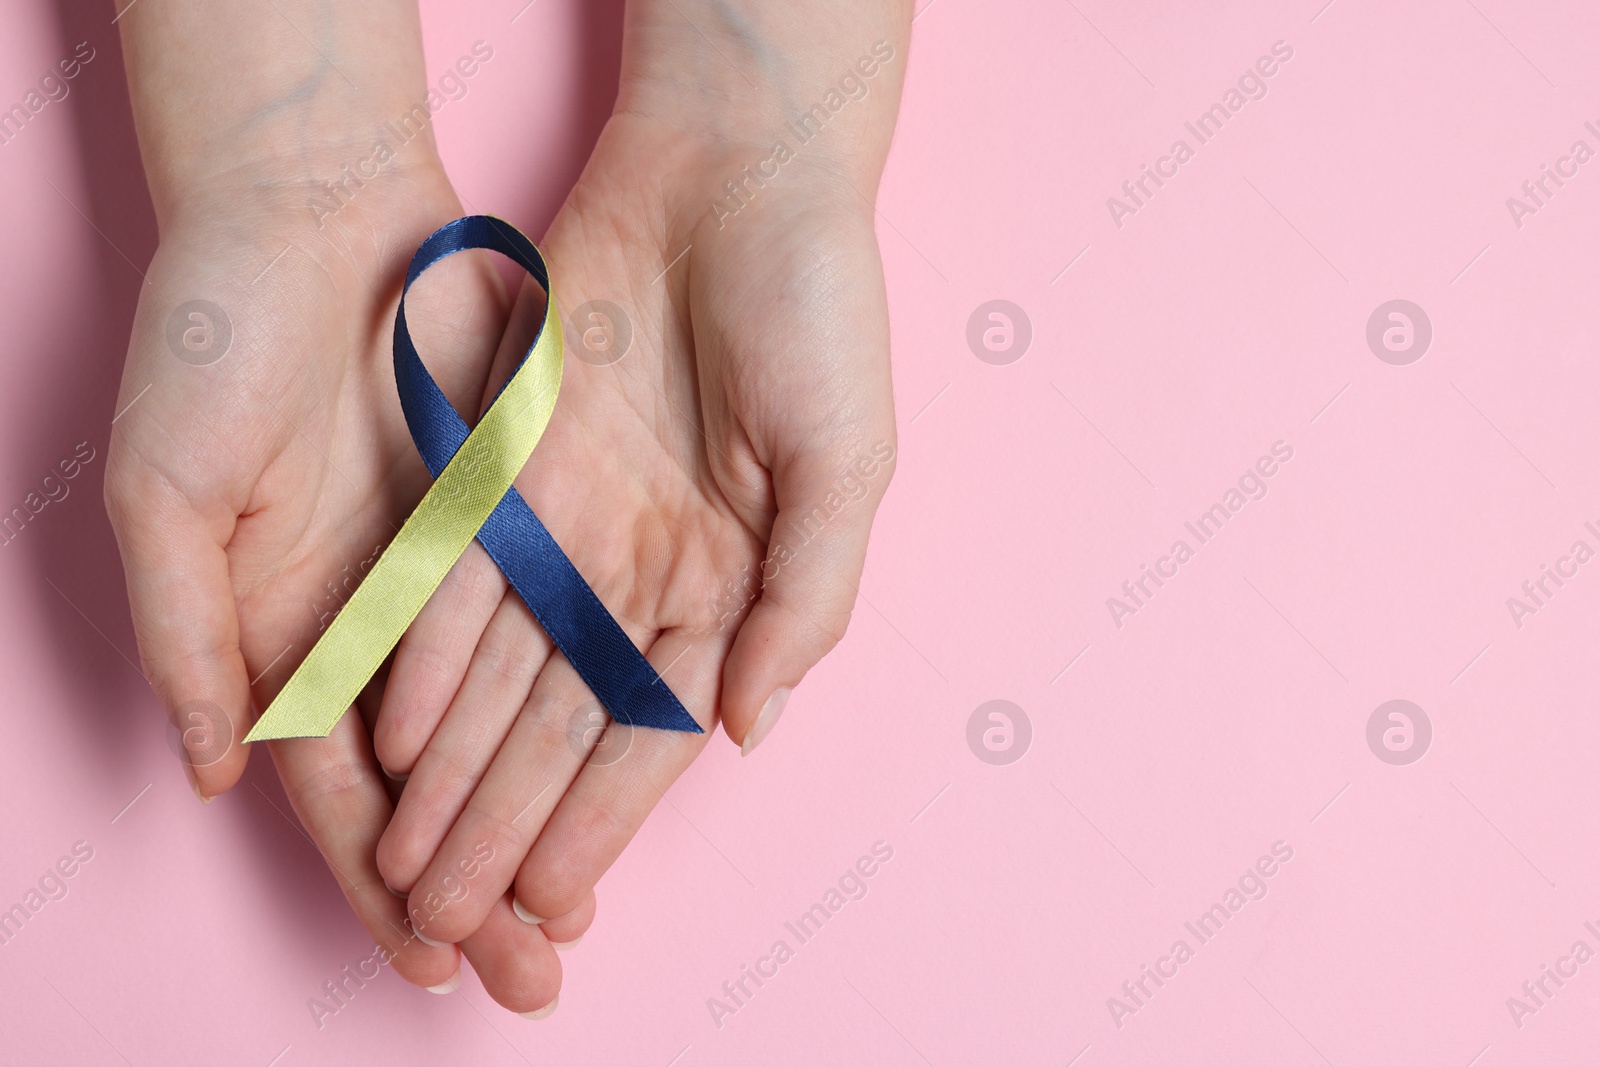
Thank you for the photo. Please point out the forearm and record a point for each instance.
(821, 76)
(261, 99)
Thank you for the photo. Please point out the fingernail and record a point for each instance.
(449, 985)
(396, 892)
(543, 1013)
(524, 914)
(203, 798)
(770, 711)
(566, 946)
(391, 776)
(426, 940)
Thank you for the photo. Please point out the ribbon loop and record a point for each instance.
(472, 497)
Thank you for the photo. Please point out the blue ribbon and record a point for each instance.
(579, 625)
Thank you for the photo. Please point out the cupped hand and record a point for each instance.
(723, 436)
(258, 464)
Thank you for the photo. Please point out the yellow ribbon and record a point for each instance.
(371, 623)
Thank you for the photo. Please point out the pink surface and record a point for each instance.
(1229, 713)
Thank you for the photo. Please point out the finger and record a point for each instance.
(432, 659)
(498, 682)
(336, 788)
(367, 703)
(622, 782)
(564, 932)
(515, 962)
(371, 696)
(826, 502)
(185, 619)
(539, 758)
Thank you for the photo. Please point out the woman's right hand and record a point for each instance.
(260, 461)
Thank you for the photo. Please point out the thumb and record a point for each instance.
(826, 503)
(186, 622)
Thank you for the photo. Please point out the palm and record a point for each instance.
(289, 446)
(626, 477)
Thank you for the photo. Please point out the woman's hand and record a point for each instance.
(249, 493)
(260, 459)
(724, 434)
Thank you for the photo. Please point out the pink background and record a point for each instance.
(1228, 714)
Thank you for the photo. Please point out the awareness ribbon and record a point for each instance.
(472, 497)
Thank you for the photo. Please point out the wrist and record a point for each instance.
(238, 104)
(326, 181)
(226, 240)
(818, 82)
